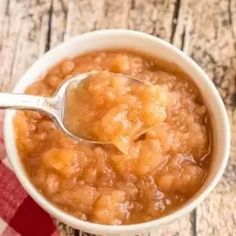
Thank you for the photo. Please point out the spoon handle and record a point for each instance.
(26, 102)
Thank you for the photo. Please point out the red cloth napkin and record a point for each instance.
(19, 214)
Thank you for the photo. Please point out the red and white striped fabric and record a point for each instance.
(19, 214)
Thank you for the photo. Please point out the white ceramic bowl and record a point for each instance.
(126, 39)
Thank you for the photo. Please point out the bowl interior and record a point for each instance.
(140, 42)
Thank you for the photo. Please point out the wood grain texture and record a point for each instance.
(23, 37)
(205, 30)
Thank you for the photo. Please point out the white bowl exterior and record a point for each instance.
(143, 43)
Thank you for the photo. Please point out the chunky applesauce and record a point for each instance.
(113, 108)
(164, 129)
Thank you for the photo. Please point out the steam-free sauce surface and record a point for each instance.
(161, 170)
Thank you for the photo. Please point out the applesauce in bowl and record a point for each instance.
(161, 170)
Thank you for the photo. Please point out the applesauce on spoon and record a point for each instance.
(162, 169)
(114, 108)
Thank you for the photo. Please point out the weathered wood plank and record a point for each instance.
(23, 36)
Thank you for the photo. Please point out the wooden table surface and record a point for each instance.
(203, 29)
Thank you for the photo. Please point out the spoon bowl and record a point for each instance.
(55, 106)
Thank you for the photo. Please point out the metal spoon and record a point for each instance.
(55, 105)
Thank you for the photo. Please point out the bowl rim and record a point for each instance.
(100, 228)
